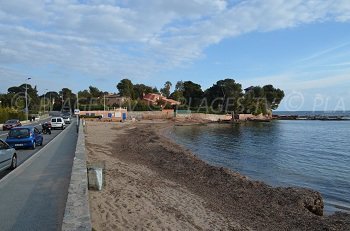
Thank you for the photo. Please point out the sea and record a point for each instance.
(302, 153)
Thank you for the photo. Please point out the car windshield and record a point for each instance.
(19, 133)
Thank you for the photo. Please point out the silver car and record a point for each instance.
(8, 156)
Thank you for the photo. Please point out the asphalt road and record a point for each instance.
(24, 154)
(35, 123)
(33, 196)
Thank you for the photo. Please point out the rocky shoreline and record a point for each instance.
(236, 202)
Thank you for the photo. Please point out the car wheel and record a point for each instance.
(34, 145)
(13, 162)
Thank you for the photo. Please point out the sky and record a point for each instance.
(300, 46)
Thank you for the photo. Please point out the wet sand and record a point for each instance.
(153, 183)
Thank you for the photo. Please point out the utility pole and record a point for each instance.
(45, 99)
(78, 100)
(26, 96)
(104, 102)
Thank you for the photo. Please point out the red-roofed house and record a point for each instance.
(155, 99)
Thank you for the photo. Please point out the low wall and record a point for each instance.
(244, 117)
(77, 212)
(166, 114)
(115, 114)
(203, 116)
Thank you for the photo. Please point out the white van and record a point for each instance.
(58, 122)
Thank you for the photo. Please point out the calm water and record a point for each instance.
(312, 154)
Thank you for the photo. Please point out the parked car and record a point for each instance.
(11, 124)
(58, 122)
(25, 137)
(8, 156)
(66, 119)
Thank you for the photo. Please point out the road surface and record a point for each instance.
(3, 134)
(33, 196)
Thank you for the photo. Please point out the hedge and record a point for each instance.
(10, 113)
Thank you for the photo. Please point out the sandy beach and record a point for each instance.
(153, 183)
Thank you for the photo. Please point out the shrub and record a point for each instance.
(11, 113)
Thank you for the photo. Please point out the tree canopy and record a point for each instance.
(225, 94)
(126, 88)
(166, 89)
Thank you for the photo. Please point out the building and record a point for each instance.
(119, 114)
(115, 100)
(156, 99)
(248, 89)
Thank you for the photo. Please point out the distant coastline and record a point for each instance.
(313, 113)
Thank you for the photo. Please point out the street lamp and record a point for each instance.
(77, 100)
(104, 102)
(50, 105)
(45, 99)
(26, 95)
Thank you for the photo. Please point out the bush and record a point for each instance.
(11, 113)
(91, 116)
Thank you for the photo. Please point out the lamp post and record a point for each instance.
(77, 100)
(26, 96)
(45, 99)
(104, 102)
(50, 105)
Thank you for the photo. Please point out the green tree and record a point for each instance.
(263, 100)
(67, 100)
(84, 97)
(193, 93)
(140, 89)
(50, 98)
(95, 92)
(225, 95)
(17, 94)
(155, 90)
(273, 96)
(178, 92)
(166, 89)
(126, 88)
(254, 101)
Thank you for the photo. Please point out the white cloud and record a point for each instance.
(138, 38)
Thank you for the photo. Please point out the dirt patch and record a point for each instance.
(155, 184)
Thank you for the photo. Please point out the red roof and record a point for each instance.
(154, 98)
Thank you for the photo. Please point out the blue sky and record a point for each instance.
(300, 46)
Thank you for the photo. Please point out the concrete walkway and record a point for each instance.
(33, 197)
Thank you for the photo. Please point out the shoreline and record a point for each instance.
(330, 207)
(235, 200)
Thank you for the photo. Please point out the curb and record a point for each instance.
(77, 211)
